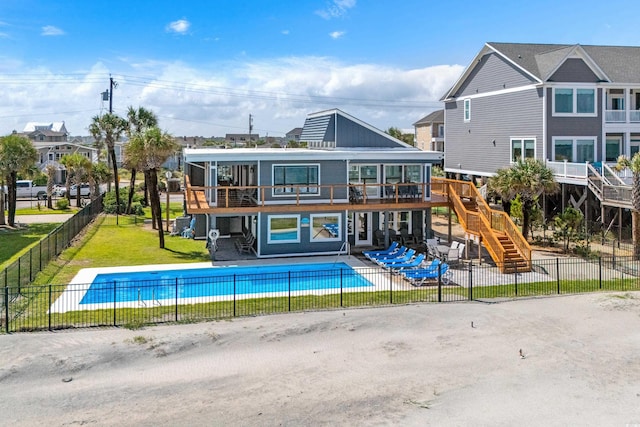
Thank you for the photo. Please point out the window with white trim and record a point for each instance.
(574, 101)
(574, 149)
(283, 229)
(326, 227)
(523, 148)
(296, 179)
(467, 110)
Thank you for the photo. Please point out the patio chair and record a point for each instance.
(453, 256)
(190, 232)
(245, 244)
(430, 267)
(424, 277)
(391, 249)
(461, 250)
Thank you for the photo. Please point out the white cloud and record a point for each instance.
(181, 26)
(50, 30)
(336, 34)
(285, 32)
(336, 9)
(216, 99)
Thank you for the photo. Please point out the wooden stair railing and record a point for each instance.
(499, 234)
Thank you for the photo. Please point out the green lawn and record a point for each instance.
(18, 241)
(106, 244)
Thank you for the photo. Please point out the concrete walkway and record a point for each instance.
(42, 219)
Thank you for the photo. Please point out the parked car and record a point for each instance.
(26, 189)
(85, 191)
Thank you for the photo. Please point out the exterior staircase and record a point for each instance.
(494, 229)
(608, 187)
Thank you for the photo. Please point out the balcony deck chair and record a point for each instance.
(355, 195)
(391, 249)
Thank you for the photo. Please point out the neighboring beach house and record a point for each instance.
(354, 183)
(575, 107)
(51, 142)
(429, 131)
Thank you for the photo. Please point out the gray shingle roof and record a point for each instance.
(434, 117)
(621, 64)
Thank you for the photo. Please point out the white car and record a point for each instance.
(85, 191)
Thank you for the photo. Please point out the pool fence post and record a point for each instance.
(340, 287)
(390, 286)
(40, 255)
(234, 295)
(176, 299)
(30, 265)
(600, 272)
(289, 290)
(440, 281)
(114, 304)
(19, 273)
(6, 306)
(470, 280)
(515, 275)
(558, 274)
(49, 307)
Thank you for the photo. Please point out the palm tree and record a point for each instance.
(530, 179)
(139, 120)
(17, 155)
(99, 174)
(51, 174)
(81, 166)
(633, 164)
(147, 151)
(109, 127)
(67, 162)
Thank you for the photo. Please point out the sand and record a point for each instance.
(422, 364)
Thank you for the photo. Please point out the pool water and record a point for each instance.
(220, 281)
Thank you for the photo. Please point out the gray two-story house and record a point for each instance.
(351, 185)
(575, 107)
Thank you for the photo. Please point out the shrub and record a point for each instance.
(62, 204)
(109, 203)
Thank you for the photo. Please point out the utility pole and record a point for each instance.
(251, 128)
(112, 84)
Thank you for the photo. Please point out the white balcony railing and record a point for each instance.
(615, 116)
(620, 116)
(568, 170)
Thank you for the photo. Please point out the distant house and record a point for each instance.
(293, 135)
(241, 139)
(430, 131)
(51, 142)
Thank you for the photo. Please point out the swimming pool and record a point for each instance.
(220, 282)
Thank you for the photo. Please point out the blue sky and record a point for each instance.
(204, 66)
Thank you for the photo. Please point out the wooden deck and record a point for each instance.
(243, 201)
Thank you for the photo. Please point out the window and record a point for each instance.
(440, 131)
(522, 148)
(576, 150)
(612, 149)
(296, 179)
(397, 221)
(635, 147)
(326, 228)
(365, 174)
(283, 229)
(467, 110)
(569, 101)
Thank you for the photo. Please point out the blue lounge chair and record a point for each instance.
(422, 276)
(415, 262)
(397, 254)
(190, 232)
(401, 251)
(391, 249)
(406, 257)
(332, 229)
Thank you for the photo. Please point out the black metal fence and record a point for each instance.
(21, 273)
(170, 299)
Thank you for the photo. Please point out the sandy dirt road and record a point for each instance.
(422, 364)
